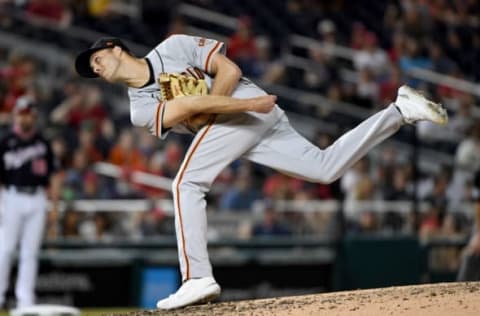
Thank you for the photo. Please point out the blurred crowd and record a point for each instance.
(441, 36)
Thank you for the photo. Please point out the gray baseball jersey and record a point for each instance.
(186, 55)
(267, 139)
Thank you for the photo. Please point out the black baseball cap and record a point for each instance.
(82, 63)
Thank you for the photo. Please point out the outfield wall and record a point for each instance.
(137, 274)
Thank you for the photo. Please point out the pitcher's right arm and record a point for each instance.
(179, 109)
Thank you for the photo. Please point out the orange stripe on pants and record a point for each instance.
(177, 189)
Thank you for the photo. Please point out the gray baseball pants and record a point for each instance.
(267, 139)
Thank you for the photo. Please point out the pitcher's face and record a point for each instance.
(105, 63)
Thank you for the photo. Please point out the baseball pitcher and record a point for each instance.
(184, 85)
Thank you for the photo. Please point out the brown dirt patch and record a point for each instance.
(443, 299)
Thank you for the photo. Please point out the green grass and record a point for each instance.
(103, 311)
(96, 311)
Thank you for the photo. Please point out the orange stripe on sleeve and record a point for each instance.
(210, 54)
(158, 118)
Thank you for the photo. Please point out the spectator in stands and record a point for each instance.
(73, 182)
(440, 62)
(97, 227)
(300, 221)
(463, 119)
(467, 162)
(73, 100)
(270, 225)
(150, 223)
(351, 182)
(321, 74)
(414, 22)
(413, 59)
(119, 17)
(438, 196)
(399, 189)
(467, 156)
(177, 25)
(81, 106)
(106, 8)
(223, 182)
(92, 108)
(370, 56)
(279, 186)
(86, 142)
(146, 143)
(454, 45)
(365, 189)
(386, 166)
(61, 151)
(430, 223)
(129, 19)
(70, 224)
(99, 9)
(328, 35)
(447, 91)
(265, 68)
(125, 152)
(242, 47)
(105, 137)
(357, 37)
(296, 11)
(81, 182)
(91, 187)
(173, 154)
(153, 222)
(398, 47)
(18, 79)
(55, 11)
(154, 167)
(367, 89)
(241, 195)
(388, 87)
(69, 88)
(394, 222)
(391, 20)
(367, 223)
(347, 92)
(474, 56)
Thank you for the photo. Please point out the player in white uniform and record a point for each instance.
(27, 168)
(265, 138)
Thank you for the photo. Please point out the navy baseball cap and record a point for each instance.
(82, 63)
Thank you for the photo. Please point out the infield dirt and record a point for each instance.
(443, 299)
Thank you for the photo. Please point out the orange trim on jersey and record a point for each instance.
(207, 63)
(199, 73)
(158, 118)
(177, 189)
(192, 73)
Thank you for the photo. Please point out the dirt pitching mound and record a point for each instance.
(443, 299)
